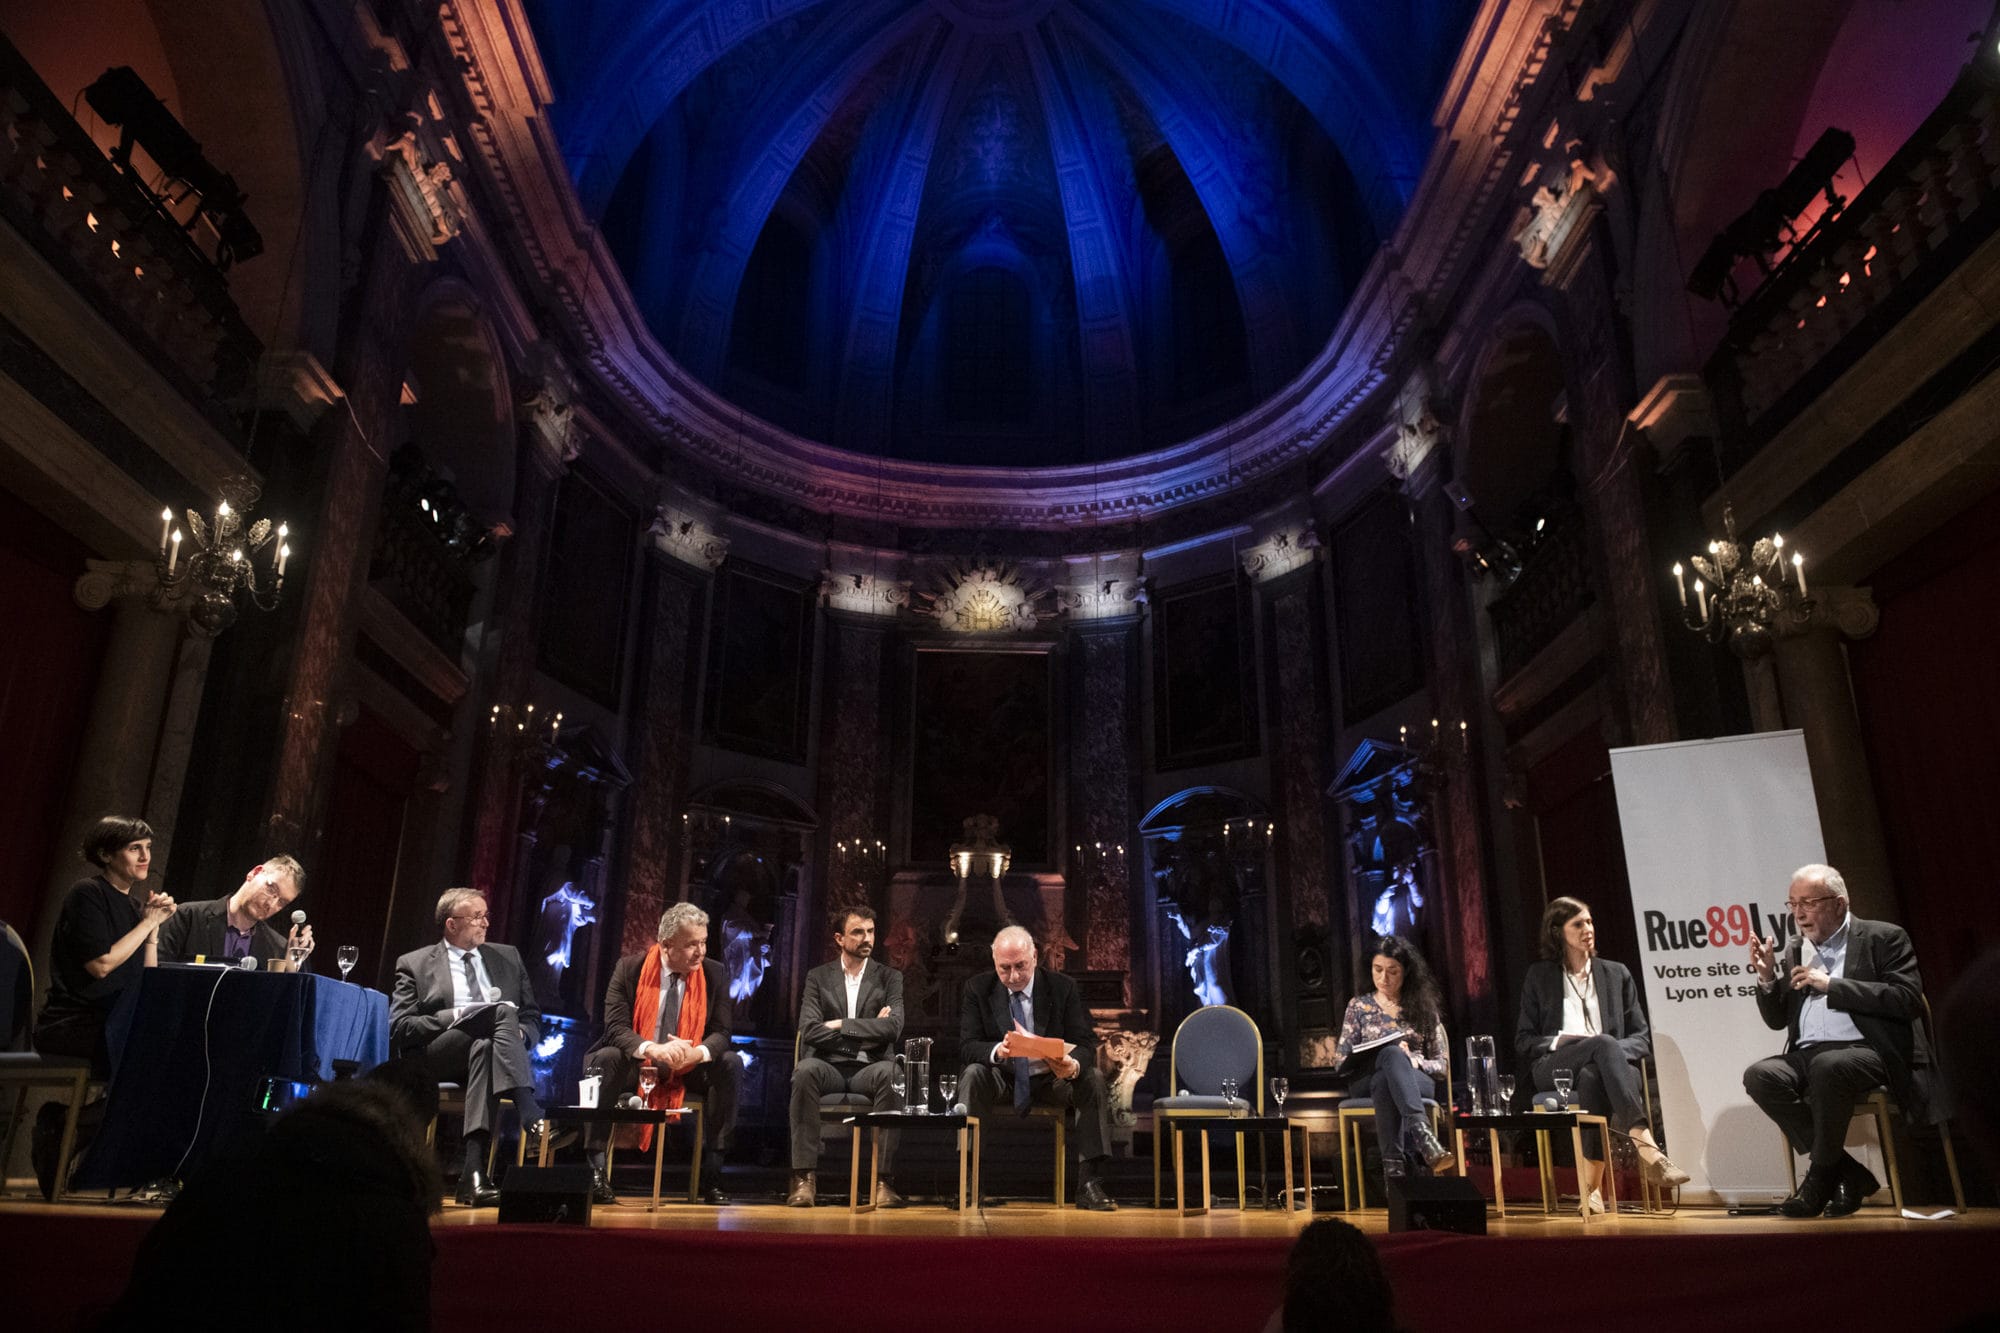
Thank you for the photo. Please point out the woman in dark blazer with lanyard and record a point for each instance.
(1581, 1013)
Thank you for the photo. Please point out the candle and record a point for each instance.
(494, 721)
(166, 527)
(1701, 599)
(284, 554)
(1403, 737)
(1799, 568)
(1681, 584)
(174, 554)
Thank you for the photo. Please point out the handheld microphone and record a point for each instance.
(298, 916)
(249, 963)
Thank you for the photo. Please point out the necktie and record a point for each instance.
(1023, 1069)
(670, 1008)
(472, 986)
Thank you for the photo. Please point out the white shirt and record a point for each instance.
(461, 994)
(1580, 1012)
(853, 980)
(1818, 1020)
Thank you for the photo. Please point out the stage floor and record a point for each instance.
(767, 1266)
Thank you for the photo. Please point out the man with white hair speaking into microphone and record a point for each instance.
(1848, 997)
(233, 927)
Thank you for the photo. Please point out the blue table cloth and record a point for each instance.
(191, 1048)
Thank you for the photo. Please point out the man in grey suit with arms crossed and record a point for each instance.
(1848, 995)
(849, 1020)
(467, 1007)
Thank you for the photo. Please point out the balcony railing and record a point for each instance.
(137, 266)
(1552, 591)
(1909, 228)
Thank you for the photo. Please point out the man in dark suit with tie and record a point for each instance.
(670, 1008)
(850, 1018)
(1849, 1004)
(467, 1009)
(1021, 997)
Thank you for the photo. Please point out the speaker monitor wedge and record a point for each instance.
(546, 1194)
(1442, 1203)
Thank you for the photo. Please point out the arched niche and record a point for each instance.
(748, 846)
(1512, 440)
(1208, 861)
(229, 71)
(456, 406)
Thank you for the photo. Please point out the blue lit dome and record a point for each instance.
(1013, 232)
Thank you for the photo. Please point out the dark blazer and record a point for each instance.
(196, 928)
(983, 1018)
(423, 991)
(1618, 1008)
(864, 1038)
(1881, 992)
(618, 996)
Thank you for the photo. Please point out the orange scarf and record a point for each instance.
(671, 1089)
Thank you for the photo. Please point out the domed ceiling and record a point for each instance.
(1007, 232)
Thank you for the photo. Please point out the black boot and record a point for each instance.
(476, 1191)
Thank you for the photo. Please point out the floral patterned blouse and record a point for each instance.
(1367, 1020)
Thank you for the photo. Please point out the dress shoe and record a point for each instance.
(802, 1195)
(886, 1196)
(476, 1191)
(1854, 1183)
(600, 1188)
(1809, 1199)
(1091, 1198)
(1435, 1155)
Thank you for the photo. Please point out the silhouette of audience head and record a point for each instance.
(1334, 1280)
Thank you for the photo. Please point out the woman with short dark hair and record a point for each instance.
(1397, 1024)
(1581, 1013)
(106, 932)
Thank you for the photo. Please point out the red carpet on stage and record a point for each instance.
(492, 1277)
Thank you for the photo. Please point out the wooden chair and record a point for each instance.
(1215, 1042)
(24, 1069)
(1881, 1105)
(1353, 1189)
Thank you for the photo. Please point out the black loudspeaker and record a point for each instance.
(1440, 1203)
(546, 1194)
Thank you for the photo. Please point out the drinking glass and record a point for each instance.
(1506, 1094)
(1229, 1090)
(296, 955)
(1563, 1081)
(897, 1083)
(649, 1078)
(1279, 1087)
(347, 957)
(948, 1089)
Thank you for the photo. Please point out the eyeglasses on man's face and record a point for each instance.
(479, 920)
(1809, 904)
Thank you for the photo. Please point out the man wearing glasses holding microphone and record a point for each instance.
(1848, 995)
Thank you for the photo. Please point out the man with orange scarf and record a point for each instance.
(669, 1007)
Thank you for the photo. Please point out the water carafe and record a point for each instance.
(917, 1061)
(1482, 1077)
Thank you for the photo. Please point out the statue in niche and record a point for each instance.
(746, 948)
(1200, 900)
(1396, 907)
(563, 913)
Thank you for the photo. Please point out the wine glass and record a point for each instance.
(649, 1078)
(1280, 1086)
(347, 956)
(1563, 1081)
(948, 1089)
(1506, 1094)
(1229, 1092)
(898, 1081)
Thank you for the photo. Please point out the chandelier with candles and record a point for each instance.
(1744, 600)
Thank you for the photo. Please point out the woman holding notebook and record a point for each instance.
(1581, 1013)
(1392, 1052)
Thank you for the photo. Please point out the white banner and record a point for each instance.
(1713, 830)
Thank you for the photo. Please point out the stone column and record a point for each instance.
(854, 763)
(116, 766)
(661, 734)
(1101, 742)
(548, 446)
(1812, 677)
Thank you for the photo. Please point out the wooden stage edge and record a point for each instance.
(1140, 1221)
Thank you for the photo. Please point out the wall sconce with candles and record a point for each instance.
(1445, 749)
(519, 726)
(1744, 601)
(1097, 858)
(222, 560)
